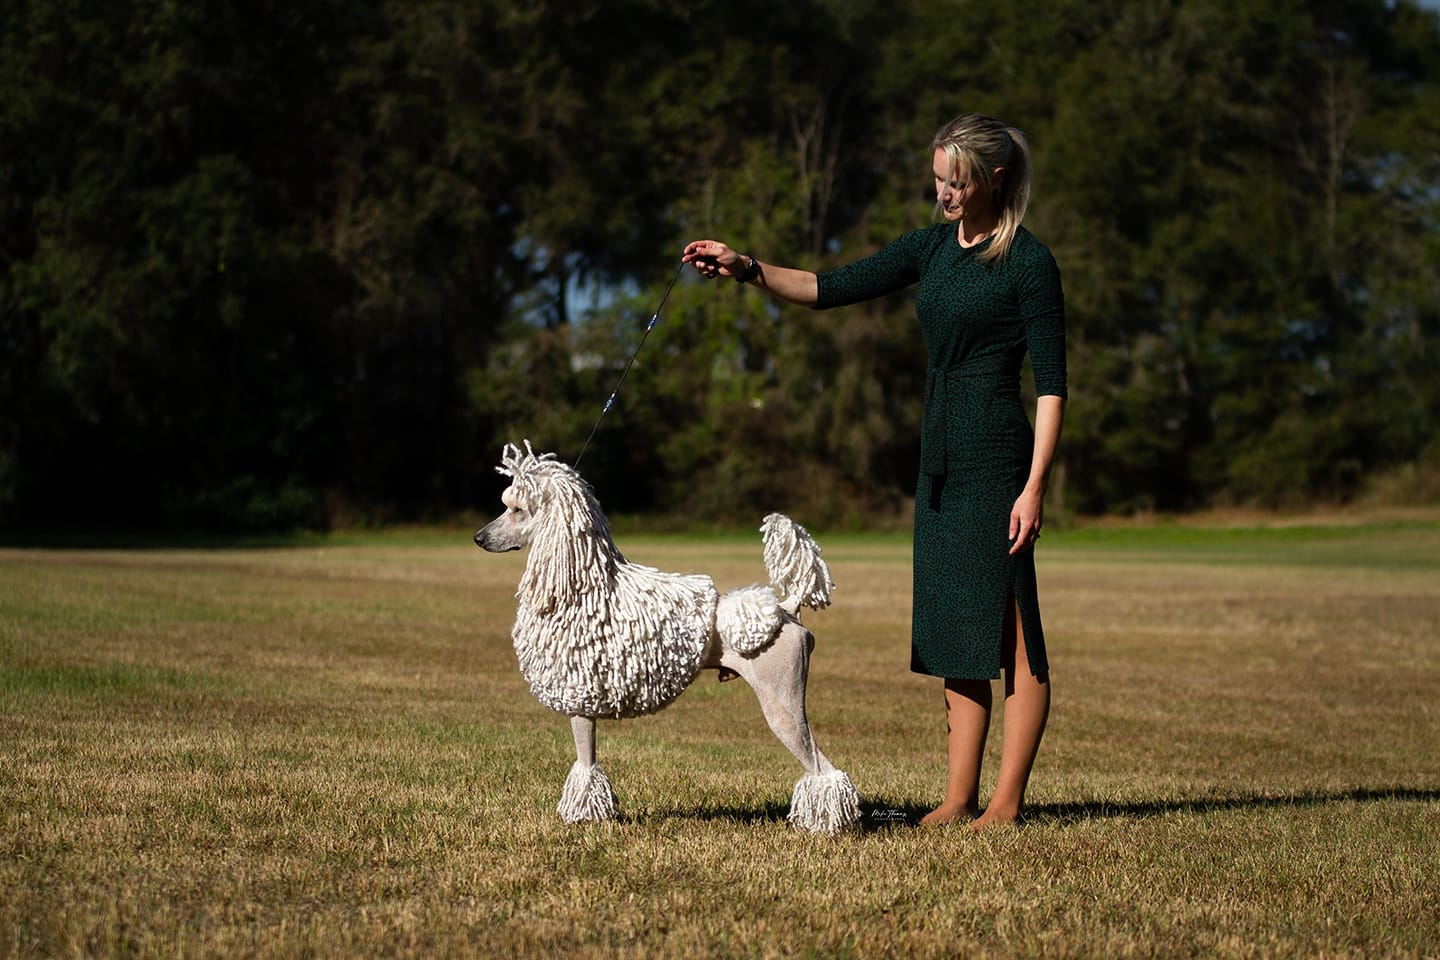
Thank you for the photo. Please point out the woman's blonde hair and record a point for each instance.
(977, 145)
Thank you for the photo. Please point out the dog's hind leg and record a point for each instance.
(587, 794)
(824, 801)
(778, 675)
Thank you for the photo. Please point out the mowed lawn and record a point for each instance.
(327, 750)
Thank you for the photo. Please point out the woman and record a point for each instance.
(988, 292)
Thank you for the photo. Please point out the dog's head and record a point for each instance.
(551, 509)
(523, 499)
(544, 496)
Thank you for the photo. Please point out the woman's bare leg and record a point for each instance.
(967, 721)
(1027, 707)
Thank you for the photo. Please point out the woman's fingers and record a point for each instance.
(1024, 529)
(708, 257)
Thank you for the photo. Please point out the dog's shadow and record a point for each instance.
(885, 815)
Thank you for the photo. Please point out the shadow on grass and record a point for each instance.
(749, 815)
(881, 816)
(885, 815)
(1081, 812)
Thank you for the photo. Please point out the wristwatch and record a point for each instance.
(751, 271)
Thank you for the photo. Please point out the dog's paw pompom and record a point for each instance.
(824, 803)
(587, 795)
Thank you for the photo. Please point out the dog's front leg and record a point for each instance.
(587, 794)
(583, 729)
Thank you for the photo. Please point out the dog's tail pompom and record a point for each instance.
(801, 577)
(587, 795)
(825, 803)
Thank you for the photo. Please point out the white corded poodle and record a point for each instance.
(599, 636)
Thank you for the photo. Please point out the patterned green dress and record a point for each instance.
(976, 442)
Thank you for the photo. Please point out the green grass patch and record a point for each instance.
(81, 681)
(327, 750)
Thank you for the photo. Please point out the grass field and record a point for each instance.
(327, 750)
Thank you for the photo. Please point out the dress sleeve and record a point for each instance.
(1042, 311)
(893, 267)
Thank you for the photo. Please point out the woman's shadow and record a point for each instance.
(1081, 812)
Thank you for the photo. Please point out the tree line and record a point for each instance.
(272, 265)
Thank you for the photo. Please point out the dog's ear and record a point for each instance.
(571, 552)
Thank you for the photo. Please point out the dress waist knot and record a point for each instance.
(991, 372)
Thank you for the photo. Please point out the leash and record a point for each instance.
(626, 372)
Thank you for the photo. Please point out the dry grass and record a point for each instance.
(328, 751)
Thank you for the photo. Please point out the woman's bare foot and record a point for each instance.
(948, 814)
(992, 818)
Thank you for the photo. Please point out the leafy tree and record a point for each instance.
(289, 265)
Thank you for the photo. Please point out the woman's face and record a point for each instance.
(959, 197)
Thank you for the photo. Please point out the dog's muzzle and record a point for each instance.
(486, 540)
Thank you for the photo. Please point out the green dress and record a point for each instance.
(976, 442)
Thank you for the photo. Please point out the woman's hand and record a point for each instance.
(712, 259)
(1026, 518)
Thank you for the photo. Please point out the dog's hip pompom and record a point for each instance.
(749, 619)
(824, 803)
(587, 795)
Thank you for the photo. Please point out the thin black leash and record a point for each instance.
(626, 372)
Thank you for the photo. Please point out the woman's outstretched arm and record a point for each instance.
(712, 259)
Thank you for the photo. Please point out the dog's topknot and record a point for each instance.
(513, 462)
(534, 475)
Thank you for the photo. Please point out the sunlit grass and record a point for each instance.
(327, 750)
